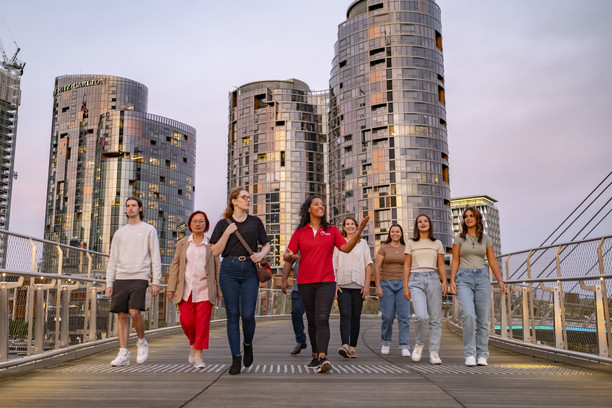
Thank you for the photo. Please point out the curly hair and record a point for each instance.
(401, 237)
(479, 226)
(416, 234)
(305, 215)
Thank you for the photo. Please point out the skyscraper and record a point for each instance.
(10, 99)
(277, 150)
(387, 123)
(490, 216)
(104, 148)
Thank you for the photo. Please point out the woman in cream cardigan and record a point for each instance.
(193, 285)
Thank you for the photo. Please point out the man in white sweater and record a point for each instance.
(134, 256)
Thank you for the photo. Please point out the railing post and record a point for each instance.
(93, 310)
(601, 325)
(65, 296)
(4, 322)
(58, 297)
(526, 331)
(605, 296)
(560, 342)
(154, 320)
(531, 302)
(39, 328)
(503, 325)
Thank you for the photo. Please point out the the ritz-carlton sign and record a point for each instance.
(81, 84)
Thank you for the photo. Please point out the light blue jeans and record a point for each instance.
(426, 294)
(391, 303)
(474, 297)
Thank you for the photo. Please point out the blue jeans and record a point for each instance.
(393, 302)
(474, 297)
(426, 294)
(297, 319)
(240, 286)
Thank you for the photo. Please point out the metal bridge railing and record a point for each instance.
(557, 296)
(52, 298)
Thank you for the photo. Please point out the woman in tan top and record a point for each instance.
(389, 278)
(193, 285)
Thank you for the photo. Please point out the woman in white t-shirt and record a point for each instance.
(353, 271)
(423, 270)
(471, 282)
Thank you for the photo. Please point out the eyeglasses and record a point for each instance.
(246, 197)
(198, 222)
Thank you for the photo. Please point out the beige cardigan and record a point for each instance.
(176, 275)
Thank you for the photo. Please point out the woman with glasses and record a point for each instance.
(471, 283)
(315, 240)
(193, 285)
(238, 277)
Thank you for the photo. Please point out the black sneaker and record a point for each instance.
(314, 364)
(324, 365)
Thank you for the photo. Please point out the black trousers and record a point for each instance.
(350, 303)
(318, 299)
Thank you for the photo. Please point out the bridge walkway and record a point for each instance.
(278, 379)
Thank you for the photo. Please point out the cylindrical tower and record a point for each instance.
(104, 148)
(387, 122)
(277, 150)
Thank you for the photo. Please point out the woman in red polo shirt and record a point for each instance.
(315, 239)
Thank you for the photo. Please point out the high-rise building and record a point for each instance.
(387, 123)
(490, 216)
(104, 148)
(277, 150)
(10, 99)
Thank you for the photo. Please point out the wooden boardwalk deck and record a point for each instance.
(278, 379)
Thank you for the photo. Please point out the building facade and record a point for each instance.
(277, 150)
(490, 216)
(10, 99)
(387, 121)
(105, 147)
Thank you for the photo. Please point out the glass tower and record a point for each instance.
(490, 216)
(277, 150)
(104, 148)
(387, 122)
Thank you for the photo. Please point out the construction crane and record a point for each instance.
(12, 64)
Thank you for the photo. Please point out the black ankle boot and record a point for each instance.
(248, 355)
(236, 365)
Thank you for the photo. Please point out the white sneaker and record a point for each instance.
(191, 358)
(434, 358)
(470, 361)
(405, 352)
(384, 350)
(417, 352)
(122, 359)
(143, 351)
(481, 361)
(198, 363)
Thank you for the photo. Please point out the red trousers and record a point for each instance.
(195, 321)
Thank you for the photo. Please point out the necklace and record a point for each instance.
(473, 241)
(395, 246)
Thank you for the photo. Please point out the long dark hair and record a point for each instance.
(344, 223)
(305, 215)
(416, 234)
(401, 238)
(479, 226)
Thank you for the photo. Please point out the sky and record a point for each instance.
(528, 89)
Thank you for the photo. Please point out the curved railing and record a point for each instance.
(557, 297)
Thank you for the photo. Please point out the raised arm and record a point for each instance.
(348, 247)
(219, 246)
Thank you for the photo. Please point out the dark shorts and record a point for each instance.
(128, 294)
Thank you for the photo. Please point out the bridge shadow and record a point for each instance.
(278, 379)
